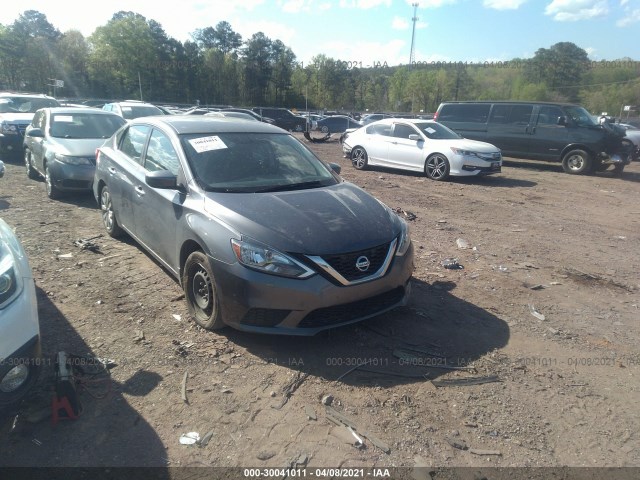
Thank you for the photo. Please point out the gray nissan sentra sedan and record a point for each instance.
(263, 236)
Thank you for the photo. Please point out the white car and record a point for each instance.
(420, 146)
(20, 353)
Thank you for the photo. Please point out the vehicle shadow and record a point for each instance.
(451, 332)
(532, 164)
(4, 204)
(499, 181)
(108, 432)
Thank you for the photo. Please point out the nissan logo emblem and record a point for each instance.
(362, 263)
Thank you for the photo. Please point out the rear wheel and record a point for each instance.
(577, 162)
(359, 158)
(618, 168)
(437, 167)
(108, 215)
(324, 129)
(31, 173)
(200, 292)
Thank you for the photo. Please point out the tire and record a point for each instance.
(359, 158)
(109, 219)
(200, 292)
(52, 192)
(577, 162)
(9, 400)
(618, 168)
(31, 173)
(324, 129)
(437, 167)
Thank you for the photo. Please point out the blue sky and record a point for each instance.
(367, 31)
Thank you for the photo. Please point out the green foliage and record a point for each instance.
(130, 54)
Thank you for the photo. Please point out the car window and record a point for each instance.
(462, 112)
(379, 129)
(403, 131)
(253, 162)
(511, 114)
(160, 154)
(17, 104)
(133, 141)
(436, 131)
(549, 115)
(136, 111)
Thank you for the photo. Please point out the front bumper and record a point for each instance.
(71, 177)
(11, 143)
(257, 302)
(471, 165)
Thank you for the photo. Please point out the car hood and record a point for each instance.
(74, 147)
(473, 145)
(19, 118)
(336, 219)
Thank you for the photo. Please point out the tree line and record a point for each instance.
(132, 56)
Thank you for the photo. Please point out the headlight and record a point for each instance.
(8, 129)
(464, 153)
(10, 278)
(267, 260)
(72, 160)
(404, 240)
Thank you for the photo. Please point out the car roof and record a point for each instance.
(27, 95)
(186, 124)
(132, 103)
(70, 110)
(389, 121)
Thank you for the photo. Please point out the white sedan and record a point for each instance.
(420, 146)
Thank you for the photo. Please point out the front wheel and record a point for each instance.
(200, 292)
(31, 173)
(618, 168)
(577, 162)
(52, 192)
(324, 129)
(437, 167)
(359, 158)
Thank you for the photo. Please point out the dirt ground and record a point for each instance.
(545, 309)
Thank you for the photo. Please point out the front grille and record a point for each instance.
(490, 157)
(21, 129)
(345, 264)
(264, 317)
(348, 312)
(68, 183)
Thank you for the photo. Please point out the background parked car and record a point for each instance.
(420, 146)
(263, 235)
(19, 326)
(60, 145)
(16, 112)
(250, 112)
(283, 118)
(131, 109)
(373, 117)
(336, 124)
(239, 115)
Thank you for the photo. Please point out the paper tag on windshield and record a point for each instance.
(207, 144)
(63, 118)
(429, 130)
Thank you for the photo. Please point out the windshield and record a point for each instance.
(436, 131)
(25, 104)
(253, 162)
(84, 125)
(580, 116)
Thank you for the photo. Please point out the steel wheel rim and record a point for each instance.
(575, 162)
(107, 211)
(202, 289)
(324, 129)
(436, 167)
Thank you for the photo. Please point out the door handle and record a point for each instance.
(139, 190)
(112, 170)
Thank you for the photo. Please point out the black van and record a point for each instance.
(283, 118)
(539, 130)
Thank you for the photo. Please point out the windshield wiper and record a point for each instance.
(293, 186)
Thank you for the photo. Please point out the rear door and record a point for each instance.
(377, 143)
(509, 128)
(124, 170)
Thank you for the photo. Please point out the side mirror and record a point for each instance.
(415, 136)
(35, 132)
(336, 168)
(564, 120)
(161, 179)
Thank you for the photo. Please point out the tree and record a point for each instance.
(222, 38)
(562, 67)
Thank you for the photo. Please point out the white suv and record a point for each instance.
(20, 354)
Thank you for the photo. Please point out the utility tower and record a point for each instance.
(414, 19)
